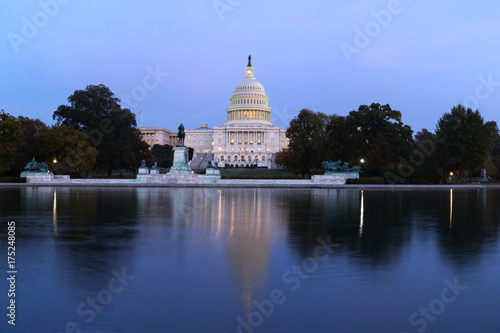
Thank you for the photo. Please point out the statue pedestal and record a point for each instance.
(143, 171)
(211, 176)
(154, 171)
(335, 178)
(39, 177)
(212, 171)
(181, 166)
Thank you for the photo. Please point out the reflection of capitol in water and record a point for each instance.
(244, 223)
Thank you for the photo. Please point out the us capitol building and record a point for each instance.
(248, 136)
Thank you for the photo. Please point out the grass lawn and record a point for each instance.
(244, 173)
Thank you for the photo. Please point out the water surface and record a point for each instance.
(253, 260)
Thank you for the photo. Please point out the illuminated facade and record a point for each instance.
(248, 136)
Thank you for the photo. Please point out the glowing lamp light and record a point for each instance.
(55, 161)
(362, 160)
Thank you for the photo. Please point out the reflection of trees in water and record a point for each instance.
(372, 234)
(378, 234)
(92, 227)
(472, 227)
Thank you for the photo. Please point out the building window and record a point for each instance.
(246, 141)
(242, 158)
(256, 158)
(282, 143)
(222, 158)
(232, 141)
(201, 142)
(189, 143)
(207, 144)
(239, 141)
(251, 141)
(258, 141)
(263, 158)
(272, 141)
(219, 140)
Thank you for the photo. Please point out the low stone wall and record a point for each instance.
(39, 177)
(335, 178)
(191, 178)
(264, 182)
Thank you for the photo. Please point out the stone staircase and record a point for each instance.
(200, 161)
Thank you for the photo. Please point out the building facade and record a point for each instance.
(247, 138)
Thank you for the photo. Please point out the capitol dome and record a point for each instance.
(249, 102)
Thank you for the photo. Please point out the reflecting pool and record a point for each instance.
(252, 260)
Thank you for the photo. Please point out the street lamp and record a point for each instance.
(362, 160)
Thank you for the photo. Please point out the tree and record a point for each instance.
(305, 133)
(425, 159)
(163, 155)
(11, 138)
(65, 149)
(494, 150)
(28, 147)
(374, 133)
(110, 129)
(465, 140)
(123, 147)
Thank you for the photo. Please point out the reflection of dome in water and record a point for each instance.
(249, 258)
(249, 102)
(249, 243)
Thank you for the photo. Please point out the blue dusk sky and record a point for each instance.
(179, 61)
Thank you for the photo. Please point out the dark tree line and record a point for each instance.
(92, 133)
(375, 137)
